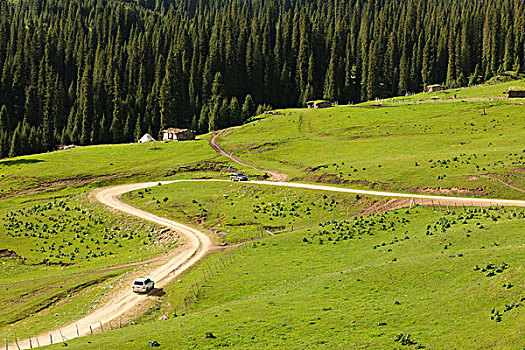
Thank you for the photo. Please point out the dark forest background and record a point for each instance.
(107, 71)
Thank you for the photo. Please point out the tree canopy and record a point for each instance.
(99, 71)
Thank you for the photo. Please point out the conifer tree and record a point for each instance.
(234, 112)
(87, 106)
(202, 126)
(116, 129)
(248, 108)
(15, 148)
(4, 120)
(429, 57)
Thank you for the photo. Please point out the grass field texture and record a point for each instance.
(53, 249)
(448, 147)
(399, 279)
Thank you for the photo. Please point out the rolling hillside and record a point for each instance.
(292, 268)
(431, 143)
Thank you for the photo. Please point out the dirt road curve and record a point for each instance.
(195, 247)
(197, 244)
(275, 175)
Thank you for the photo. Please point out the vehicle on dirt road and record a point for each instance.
(238, 177)
(143, 285)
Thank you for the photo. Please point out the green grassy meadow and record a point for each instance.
(447, 148)
(108, 164)
(237, 212)
(53, 249)
(293, 268)
(57, 244)
(449, 280)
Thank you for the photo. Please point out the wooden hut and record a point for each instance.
(173, 134)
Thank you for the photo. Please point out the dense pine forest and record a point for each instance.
(107, 71)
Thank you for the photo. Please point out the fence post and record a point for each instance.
(16, 341)
(50, 338)
(78, 335)
(119, 323)
(30, 343)
(37, 341)
(102, 329)
(63, 338)
(90, 330)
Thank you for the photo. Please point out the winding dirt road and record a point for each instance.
(196, 245)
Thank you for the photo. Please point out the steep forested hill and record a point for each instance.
(106, 71)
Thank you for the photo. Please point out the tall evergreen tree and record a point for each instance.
(87, 106)
(248, 108)
(4, 120)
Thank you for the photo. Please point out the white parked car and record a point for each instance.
(238, 177)
(143, 285)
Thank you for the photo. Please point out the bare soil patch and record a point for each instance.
(334, 179)
(454, 191)
(6, 253)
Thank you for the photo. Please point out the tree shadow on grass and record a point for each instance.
(19, 162)
(157, 292)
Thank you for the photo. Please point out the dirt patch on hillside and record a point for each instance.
(203, 166)
(383, 206)
(453, 191)
(208, 166)
(334, 179)
(496, 177)
(245, 224)
(166, 236)
(266, 146)
(6, 253)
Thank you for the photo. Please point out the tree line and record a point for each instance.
(107, 71)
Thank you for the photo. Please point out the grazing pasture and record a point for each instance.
(400, 279)
(454, 146)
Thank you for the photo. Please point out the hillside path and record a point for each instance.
(275, 175)
(196, 245)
